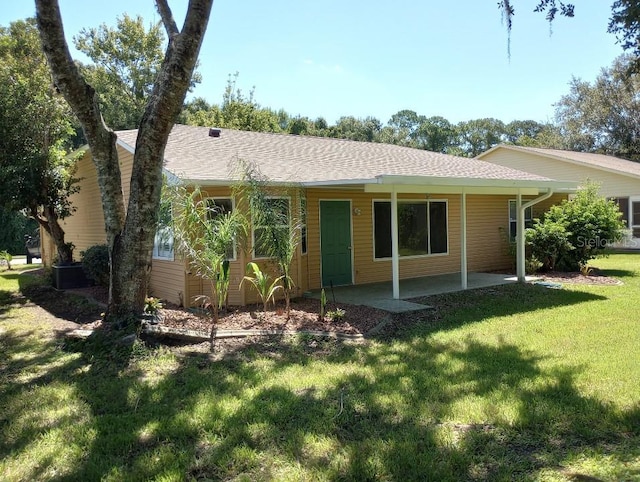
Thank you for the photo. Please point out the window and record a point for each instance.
(219, 207)
(635, 218)
(528, 219)
(422, 228)
(623, 206)
(278, 225)
(303, 225)
(163, 244)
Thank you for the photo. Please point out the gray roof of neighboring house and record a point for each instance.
(597, 161)
(193, 155)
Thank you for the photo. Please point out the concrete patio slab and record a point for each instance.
(380, 295)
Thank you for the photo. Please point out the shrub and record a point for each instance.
(576, 231)
(548, 241)
(95, 262)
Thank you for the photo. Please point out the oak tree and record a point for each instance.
(129, 231)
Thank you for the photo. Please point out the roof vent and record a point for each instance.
(214, 132)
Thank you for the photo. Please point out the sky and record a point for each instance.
(373, 58)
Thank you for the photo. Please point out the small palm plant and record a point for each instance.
(261, 281)
(6, 257)
(206, 238)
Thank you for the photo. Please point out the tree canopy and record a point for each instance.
(604, 115)
(36, 132)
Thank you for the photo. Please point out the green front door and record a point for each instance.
(335, 242)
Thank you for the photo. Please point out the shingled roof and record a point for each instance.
(194, 156)
(598, 161)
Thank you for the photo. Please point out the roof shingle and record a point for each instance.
(192, 155)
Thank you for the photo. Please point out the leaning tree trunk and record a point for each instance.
(51, 225)
(130, 237)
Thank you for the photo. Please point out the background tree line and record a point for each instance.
(602, 116)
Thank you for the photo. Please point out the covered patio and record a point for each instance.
(380, 295)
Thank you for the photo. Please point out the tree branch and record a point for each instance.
(167, 18)
(84, 102)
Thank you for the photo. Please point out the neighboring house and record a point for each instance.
(619, 179)
(450, 214)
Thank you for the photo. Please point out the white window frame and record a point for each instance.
(164, 255)
(233, 208)
(411, 201)
(253, 227)
(304, 232)
(515, 220)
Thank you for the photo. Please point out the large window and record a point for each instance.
(513, 218)
(422, 228)
(279, 212)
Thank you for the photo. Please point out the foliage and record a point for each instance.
(237, 111)
(15, 225)
(277, 227)
(152, 305)
(206, 238)
(336, 315)
(576, 230)
(261, 281)
(323, 305)
(549, 242)
(603, 116)
(36, 131)
(625, 24)
(6, 257)
(95, 262)
(126, 61)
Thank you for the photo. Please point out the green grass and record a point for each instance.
(513, 383)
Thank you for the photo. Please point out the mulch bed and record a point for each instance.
(596, 277)
(357, 320)
(304, 317)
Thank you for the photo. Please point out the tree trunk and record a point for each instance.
(130, 238)
(51, 225)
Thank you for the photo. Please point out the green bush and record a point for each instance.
(548, 242)
(576, 231)
(95, 262)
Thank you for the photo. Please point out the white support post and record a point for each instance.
(395, 259)
(520, 239)
(463, 241)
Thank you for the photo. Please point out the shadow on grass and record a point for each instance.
(412, 408)
(452, 310)
(66, 306)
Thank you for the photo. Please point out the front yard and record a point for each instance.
(510, 383)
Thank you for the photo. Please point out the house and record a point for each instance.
(374, 212)
(619, 179)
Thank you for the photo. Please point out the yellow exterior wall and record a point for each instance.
(175, 282)
(245, 294)
(86, 228)
(611, 184)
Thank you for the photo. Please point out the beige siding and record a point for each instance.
(612, 184)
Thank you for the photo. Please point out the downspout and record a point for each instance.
(520, 239)
(395, 258)
(463, 240)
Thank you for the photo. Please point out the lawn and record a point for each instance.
(519, 382)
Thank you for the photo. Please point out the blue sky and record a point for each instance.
(373, 57)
